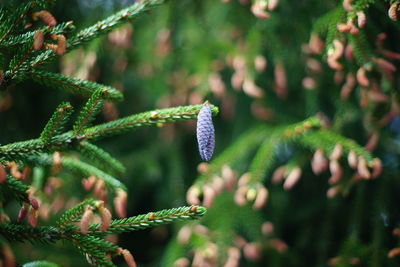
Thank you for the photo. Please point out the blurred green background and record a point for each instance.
(185, 52)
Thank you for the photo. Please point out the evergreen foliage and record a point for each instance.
(306, 161)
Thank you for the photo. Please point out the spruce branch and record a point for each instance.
(110, 23)
(57, 122)
(74, 214)
(263, 160)
(100, 28)
(321, 25)
(87, 169)
(18, 14)
(96, 249)
(101, 158)
(241, 148)
(17, 40)
(62, 142)
(73, 85)
(84, 168)
(22, 233)
(150, 118)
(151, 219)
(327, 140)
(89, 111)
(362, 51)
(19, 190)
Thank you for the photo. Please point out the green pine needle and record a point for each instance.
(19, 190)
(74, 214)
(57, 122)
(151, 219)
(62, 142)
(102, 159)
(73, 85)
(327, 140)
(92, 107)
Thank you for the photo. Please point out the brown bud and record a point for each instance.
(393, 12)
(278, 244)
(184, 235)
(14, 170)
(343, 27)
(280, 80)
(181, 262)
(260, 63)
(252, 251)
(348, 87)
(61, 45)
(362, 168)
(217, 184)
(336, 171)
(336, 152)
(234, 252)
(333, 191)
(262, 197)
(86, 218)
(202, 167)
(3, 174)
(208, 196)
(272, 4)
(278, 175)
(34, 202)
(56, 168)
(334, 64)
(316, 45)
(32, 217)
(22, 212)
(38, 40)
(352, 159)
(8, 256)
(267, 228)
(237, 79)
(229, 177)
(292, 179)
(89, 182)
(384, 65)
(251, 89)
(308, 83)
(120, 202)
(372, 141)
(396, 232)
(376, 167)
(347, 5)
(105, 217)
(391, 55)
(259, 11)
(46, 17)
(361, 19)
(393, 253)
(362, 77)
(192, 195)
(100, 189)
(130, 261)
(244, 179)
(240, 194)
(319, 163)
(200, 229)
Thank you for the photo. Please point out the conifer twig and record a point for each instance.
(101, 27)
(21, 150)
(73, 85)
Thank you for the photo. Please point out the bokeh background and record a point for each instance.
(188, 51)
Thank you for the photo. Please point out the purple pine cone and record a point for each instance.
(205, 133)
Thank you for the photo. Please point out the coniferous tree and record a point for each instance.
(308, 97)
